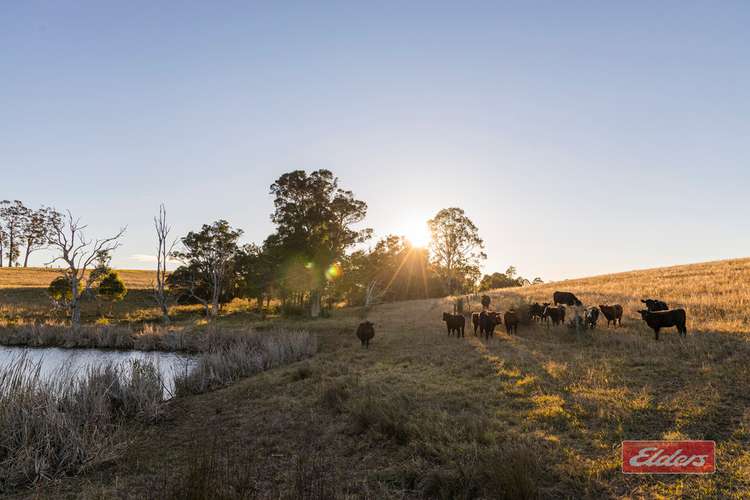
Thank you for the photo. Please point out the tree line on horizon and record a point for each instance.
(311, 261)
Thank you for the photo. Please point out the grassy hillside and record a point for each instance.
(40, 277)
(421, 414)
(23, 294)
(716, 295)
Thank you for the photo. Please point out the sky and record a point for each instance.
(580, 137)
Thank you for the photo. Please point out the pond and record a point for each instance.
(52, 359)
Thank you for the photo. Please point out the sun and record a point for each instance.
(418, 234)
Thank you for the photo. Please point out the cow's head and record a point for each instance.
(446, 316)
(644, 313)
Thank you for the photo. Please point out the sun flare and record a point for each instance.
(418, 234)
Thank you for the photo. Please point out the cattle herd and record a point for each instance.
(657, 315)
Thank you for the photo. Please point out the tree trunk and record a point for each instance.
(315, 303)
(75, 306)
(75, 313)
(215, 302)
(26, 257)
(11, 238)
(164, 313)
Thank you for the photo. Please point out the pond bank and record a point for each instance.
(119, 337)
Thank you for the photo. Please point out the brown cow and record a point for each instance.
(613, 314)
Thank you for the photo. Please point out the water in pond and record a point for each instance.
(53, 359)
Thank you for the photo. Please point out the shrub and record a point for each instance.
(111, 288)
(59, 291)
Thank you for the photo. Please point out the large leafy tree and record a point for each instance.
(314, 220)
(256, 272)
(500, 280)
(14, 216)
(36, 230)
(208, 259)
(456, 248)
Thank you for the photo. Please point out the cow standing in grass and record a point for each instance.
(665, 319)
(554, 313)
(475, 322)
(613, 314)
(511, 322)
(365, 333)
(565, 298)
(592, 316)
(536, 310)
(455, 324)
(487, 322)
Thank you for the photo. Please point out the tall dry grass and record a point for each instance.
(241, 354)
(69, 422)
(149, 337)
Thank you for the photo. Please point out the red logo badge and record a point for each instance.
(668, 457)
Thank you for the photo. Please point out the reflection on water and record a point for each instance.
(53, 359)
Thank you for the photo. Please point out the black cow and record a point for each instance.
(486, 301)
(487, 322)
(455, 323)
(475, 321)
(536, 310)
(592, 316)
(654, 305)
(613, 314)
(565, 298)
(665, 319)
(365, 333)
(511, 322)
(555, 313)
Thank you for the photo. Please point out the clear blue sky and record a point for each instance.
(581, 137)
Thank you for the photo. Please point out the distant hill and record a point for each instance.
(40, 277)
(715, 294)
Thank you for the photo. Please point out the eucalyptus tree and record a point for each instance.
(456, 248)
(314, 220)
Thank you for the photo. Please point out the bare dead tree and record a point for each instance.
(164, 251)
(373, 294)
(78, 253)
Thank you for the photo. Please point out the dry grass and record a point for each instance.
(540, 414)
(716, 295)
(69, 422)
(40, 277)
(149, 337)
(241, 354)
